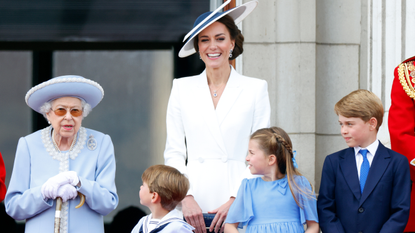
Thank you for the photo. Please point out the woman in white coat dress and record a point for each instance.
(211, 116)
(62, 159)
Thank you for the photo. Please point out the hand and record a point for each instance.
(193, 214)
(67, 192)
(312, 227)
(231, 227)
(50, 187)
(220, 217)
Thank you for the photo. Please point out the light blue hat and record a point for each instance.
(64, 86)
(206, 19)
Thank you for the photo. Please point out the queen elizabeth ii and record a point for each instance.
(62, 160)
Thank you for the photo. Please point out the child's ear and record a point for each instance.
(155, 197)
(373, 122)
(272, 159)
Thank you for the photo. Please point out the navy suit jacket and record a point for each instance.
(382, 207)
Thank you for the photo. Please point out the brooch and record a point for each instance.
(91, 143)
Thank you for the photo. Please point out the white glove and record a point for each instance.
(50, 187)
(67, 192)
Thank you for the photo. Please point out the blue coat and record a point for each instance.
(33, 166)
(382, 207)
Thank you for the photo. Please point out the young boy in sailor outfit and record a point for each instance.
(163, 188)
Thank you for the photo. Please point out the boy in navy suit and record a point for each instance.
(366, 187)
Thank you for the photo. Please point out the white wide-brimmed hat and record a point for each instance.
(204, 20)
(64, 86)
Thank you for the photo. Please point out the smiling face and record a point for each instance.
(65, 126)
(356, 132)
(214, 44)
(258, 161)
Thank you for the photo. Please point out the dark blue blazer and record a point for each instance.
(382, 207)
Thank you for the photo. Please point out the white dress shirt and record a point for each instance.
(372, 148)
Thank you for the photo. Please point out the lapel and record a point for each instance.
(230, 95)
(381, 161)
(348, 168)
(207, 110)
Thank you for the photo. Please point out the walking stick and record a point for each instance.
(58, 214)
(58, 210)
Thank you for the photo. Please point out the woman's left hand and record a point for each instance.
(67, 192)
(221, 213)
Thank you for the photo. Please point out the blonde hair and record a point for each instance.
(362, 104)
(168, 183)
(276, 141)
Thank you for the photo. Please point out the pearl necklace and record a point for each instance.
(56, 153)
(56, 145)
(53, 150)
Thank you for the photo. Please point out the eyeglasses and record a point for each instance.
(62, 112)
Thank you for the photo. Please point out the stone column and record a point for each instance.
(337, 69)
(280, 47)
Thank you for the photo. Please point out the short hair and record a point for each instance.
(170, 184)
(363, 104)
(235, 35)
(47, 107)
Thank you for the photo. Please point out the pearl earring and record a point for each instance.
(230, 53)
(49, 122)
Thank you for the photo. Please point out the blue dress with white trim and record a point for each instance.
(269, 206)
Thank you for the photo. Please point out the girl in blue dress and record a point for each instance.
(282, 200)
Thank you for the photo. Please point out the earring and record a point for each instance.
(199, 56)
(230, 53)
(49, 122)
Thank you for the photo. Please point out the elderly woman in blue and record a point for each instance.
(62, 160)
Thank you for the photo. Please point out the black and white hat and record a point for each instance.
(204, 20)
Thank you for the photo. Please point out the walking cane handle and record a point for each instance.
(59, 208)
(81, 203)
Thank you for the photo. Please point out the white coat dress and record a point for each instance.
(215, 140)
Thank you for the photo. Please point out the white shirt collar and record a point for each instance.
(169, 217)
(372, 148)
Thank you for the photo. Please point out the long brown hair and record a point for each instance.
(275, 141)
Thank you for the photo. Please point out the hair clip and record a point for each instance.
(294, 161)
